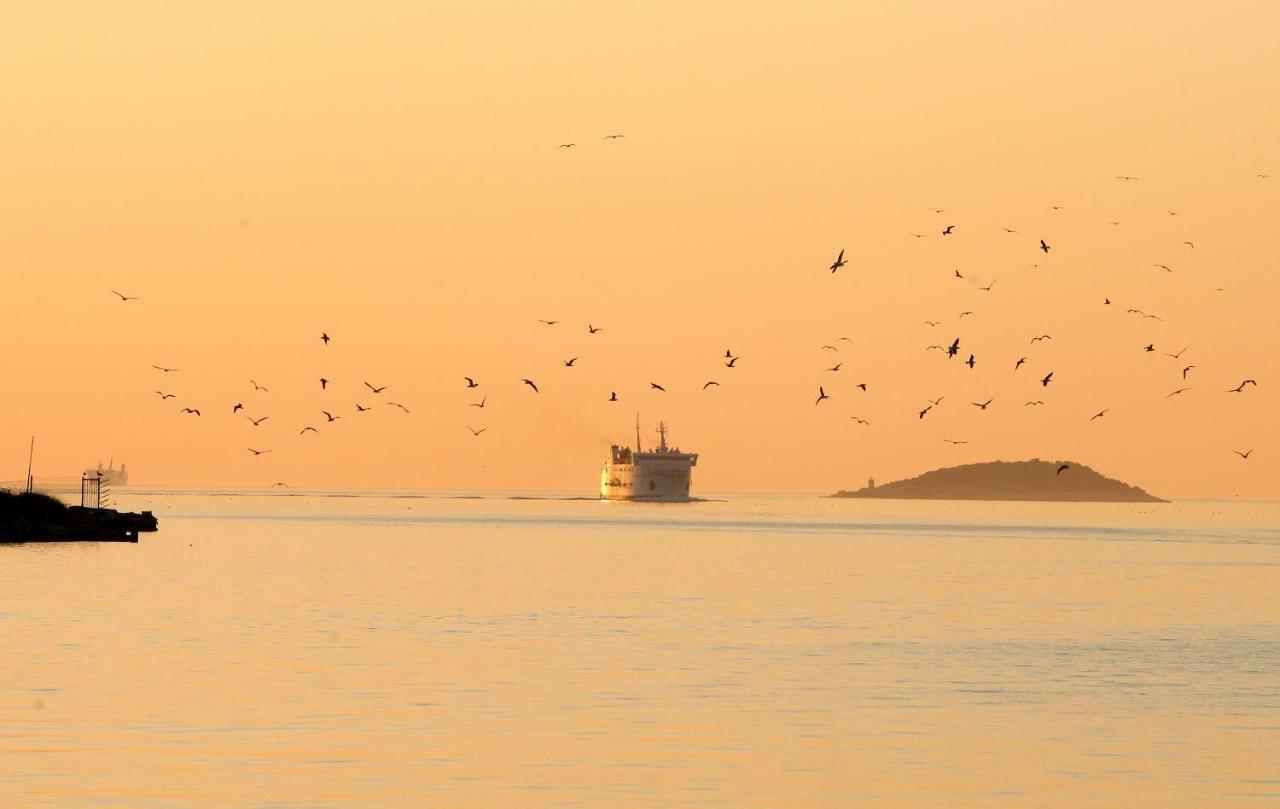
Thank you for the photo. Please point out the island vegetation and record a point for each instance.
(1009, 480)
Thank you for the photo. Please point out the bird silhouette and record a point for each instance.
(982, 405)
(933, 322)
(969, 361)
(1099, 414)
(306, 430)
(1019, 363)
(569, 362)
(732, 361)
(164, 395)
(1009, 230)
(1047, 379)
(861, 421)
(529, 382)
(1165, 267)
(397, 404)
(1184, 371)
(1106, 301)
(480, 403)
(838, 263)
(950, 441)
(926, 410)
(947, 230)
(938, 210)
(613, 396)
(827, 348)
(988, 287)
(164, 369)
(329, 416)
(1244, 455)
(362, 409)
(1175, 393)
(124, 298)
(1189, 244)
(1149, 347)
(567, 145)
(613, 137)
(953, 348)
(835, 367)
(375, 390)
(257, 452)
(710, 383)
(1044, 246)
(962, 314)
(476, 432)
(471, 383)
(593, 329)
(936, 402)
(324, 337)
(191, 410)
(256, 386)
(862, 386)
(1179, 354)
(324, 383)
(548, 322)
(822, 394)
(1041, 338)
(656, 386)
(1240, 388)
(1125, 177)
(958, 274)
(256, 422)
(1033, 404)
(1062, 469)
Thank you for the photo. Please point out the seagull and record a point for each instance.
(844, 339)
(731, 362)
(953, 348)
(988, 287)
(567, 145)
(827, 348)
(821, 395)
(835, 367)
(613, 397)
(375, 390)
(256, 386)
(969, 361)
(863, 386)
(982, 405)
(1176, 356)
(1164, 267)
(1184, 371)
(1063, 468)
(278, 483)
(933, 322)
(1150, 347)
(1099, 414)
(306, 430)
(1009, 230)
(189, 410)
(362, 409)
(548, 322)
(476, 432)
(656, 386)
(962, 314)
(330, 416)
(931, 348)
(861, 421)
(917, 235)
(1242, 384)
(1125, 177)
(325, 337)
(324, 383)
(1033, 404)
(613, 137)
(479, 403)
(926, 410)
(1189, 244)
(958, 274)
(471, 383)
(938, 210)
(529, 382)
(397, 404)
(1047, 378)
(839, 262)
(164, 395)
(1041, 337)
(165, 370)
(569, 362)
(936, 402)
(256, 422)
(593, 329)
(1244, 455)
(124, 297)
(709, 384)
(947, 230)
(949, 441)
(1175, 393)
(1106, 301)
(257, 452)
(1019, 363)
(1044, 246)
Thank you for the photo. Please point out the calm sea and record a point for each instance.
(351, 649)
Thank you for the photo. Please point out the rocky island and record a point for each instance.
(1009, 480)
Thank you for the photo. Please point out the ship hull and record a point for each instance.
(668, 482)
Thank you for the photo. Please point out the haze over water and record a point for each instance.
(265, 650)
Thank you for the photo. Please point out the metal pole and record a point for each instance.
(30, 460)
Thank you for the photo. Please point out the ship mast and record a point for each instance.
(662, 436)
(637, 432)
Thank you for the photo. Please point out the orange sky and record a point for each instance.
(260, 172)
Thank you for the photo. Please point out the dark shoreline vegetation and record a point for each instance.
(35, 517)
(1033, 480)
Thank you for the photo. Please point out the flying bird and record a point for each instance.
(1033, 404)
(479, 403)
(947, 230)
(962, 314)
(988, 287)
(1184, 371)
(1019, 363)
(938, 210)
(821, 395)
(548, 322)
(1044, 246)
(861, 421)
(862, 386)
(569, 362)
(835, 367)
(969, 361)
(1189, 244)
(613, 137)
(1009, 230)
(306, 430)
(397, 404)
(476, 432)
(1047, 378)
(324, 383)
(953, 348)
(1240, 389)
(982, 405)
(256, 422)
(613, 396)
(256, 386)
(529, 382)
(949, 441)
(1165, 267)
(362, 409)
(656, 386)
(1125, 177)
(191, 410)
(164, 395)
(375, 390)
(471, 383)
(257, 452)
(1175, 393)
(933, 322)
(1063, 468)
(1150, 347)
(567, 145)
(324, 337)
(1244, 455)
(1040, 338)
(165, 370)
(958, 274)
(330, 416)
(124, 297)
(709, 384)
(732, 361)
(926, 410)
(839, 262)
(1099, 414)
(936, 402)
(593, 329)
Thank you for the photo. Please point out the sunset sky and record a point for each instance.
(389, 173)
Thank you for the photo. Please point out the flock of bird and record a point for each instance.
(955, 348)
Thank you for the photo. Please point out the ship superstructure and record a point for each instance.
(663, 473)
(110, 476)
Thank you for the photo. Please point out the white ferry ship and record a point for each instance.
(662, 474)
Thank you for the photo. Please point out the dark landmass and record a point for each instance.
(1010, 480)
(32, 517)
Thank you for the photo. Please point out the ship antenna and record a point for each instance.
(662, 436)
(637, 432)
